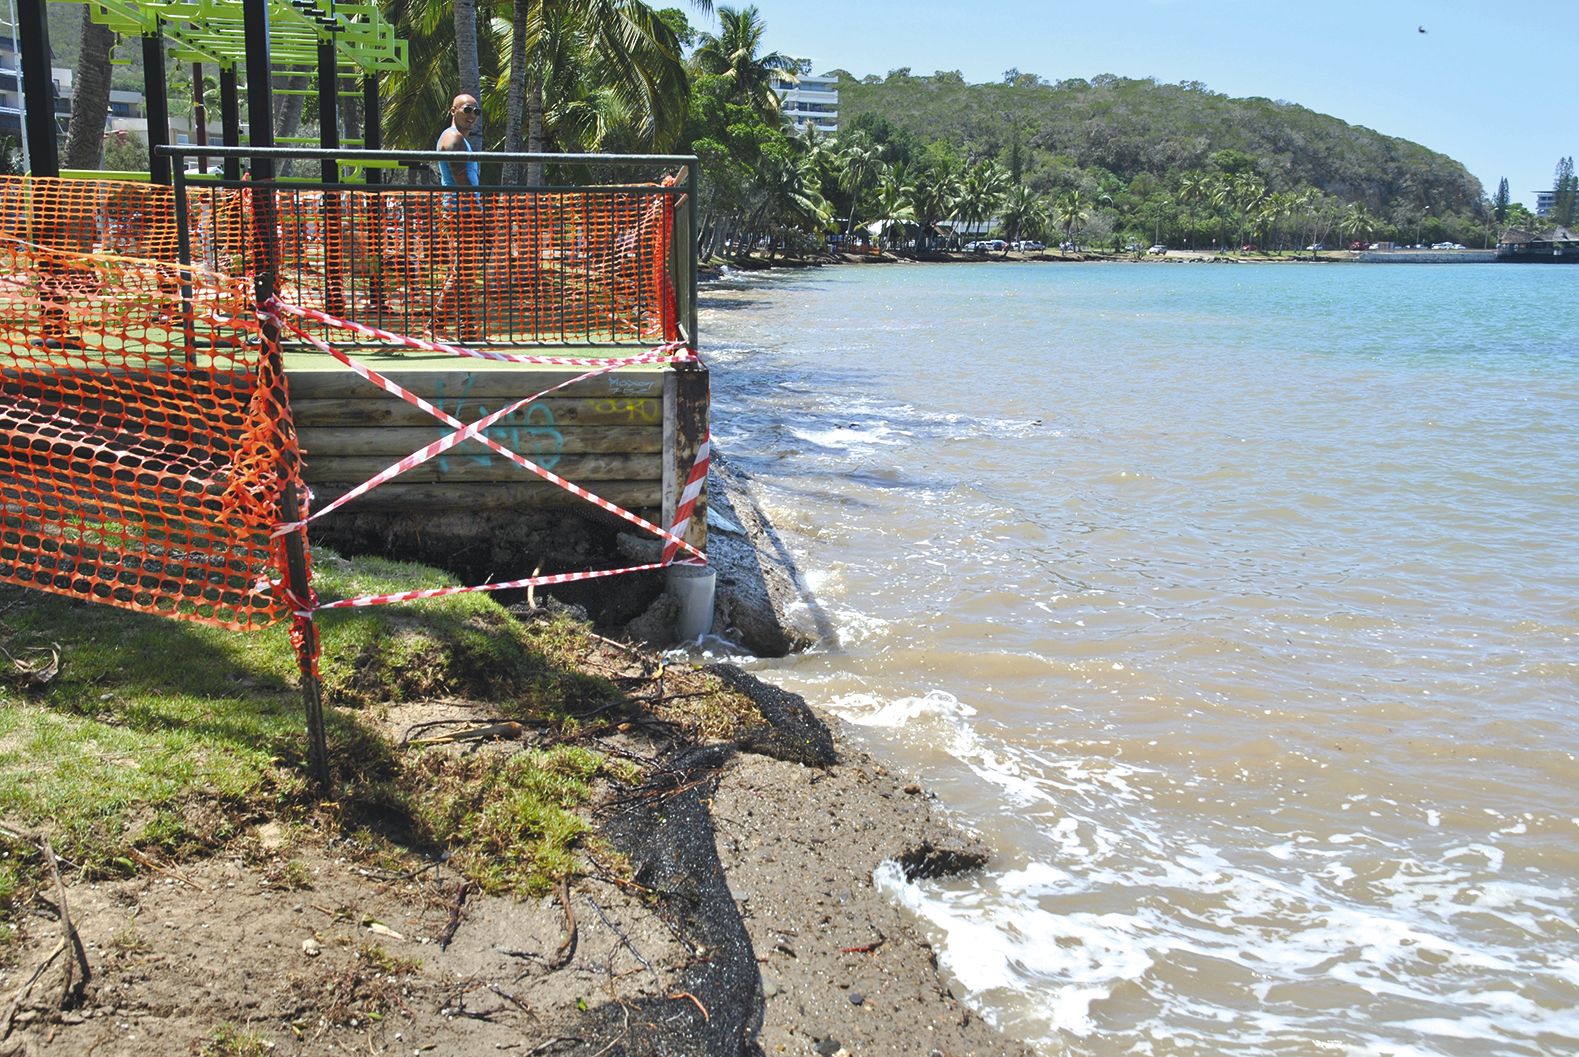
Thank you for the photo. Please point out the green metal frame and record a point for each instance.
(212, 31)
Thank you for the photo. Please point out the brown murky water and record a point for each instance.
(1236, 607)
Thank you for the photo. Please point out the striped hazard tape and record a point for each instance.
(674, 541)
(682, 511)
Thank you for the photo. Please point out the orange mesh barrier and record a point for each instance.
(501, 267)
(588, 266)
(145, 436)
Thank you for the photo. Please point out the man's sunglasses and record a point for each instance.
(471, 110)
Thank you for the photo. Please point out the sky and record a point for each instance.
(1486, 84)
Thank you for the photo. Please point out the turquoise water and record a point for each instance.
(1235, 606)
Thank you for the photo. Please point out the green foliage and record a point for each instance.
(125, 152)
(1084, 134)
(1565, 193)
(513, 824)
(227, 1040)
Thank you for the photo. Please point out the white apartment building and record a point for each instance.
(810, 101)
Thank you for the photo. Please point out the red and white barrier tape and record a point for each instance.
(475, 430)
(688, 497)
(674, 352)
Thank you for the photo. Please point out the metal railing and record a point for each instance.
(551, 263)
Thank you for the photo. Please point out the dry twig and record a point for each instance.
(448, 935)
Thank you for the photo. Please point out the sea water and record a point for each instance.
(1236, 607)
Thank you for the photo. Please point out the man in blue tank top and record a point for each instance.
(455, 314)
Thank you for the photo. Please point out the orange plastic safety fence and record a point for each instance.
(504, 267)
(145, 432)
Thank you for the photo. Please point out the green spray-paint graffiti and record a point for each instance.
(529, 431)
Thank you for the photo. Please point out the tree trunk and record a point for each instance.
(534, 131)
(469, 68)
(350, 109)
(90, 96)
(515, 99)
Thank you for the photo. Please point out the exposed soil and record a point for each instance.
(746, 922)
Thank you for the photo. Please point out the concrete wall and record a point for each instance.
(1427, 256)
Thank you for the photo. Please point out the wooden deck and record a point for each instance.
(629, 436)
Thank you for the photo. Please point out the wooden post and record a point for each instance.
(685, 409)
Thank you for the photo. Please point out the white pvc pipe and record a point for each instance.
(692, 587)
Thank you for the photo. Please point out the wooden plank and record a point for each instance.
(529, 493)
(490, 466)
(386, 410)
(324, 441)
(494, 386)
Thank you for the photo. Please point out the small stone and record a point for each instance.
(312, 948)
(828, 1047)
(856, 998)
(913, 789)
(770, 985)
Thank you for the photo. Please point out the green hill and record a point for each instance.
(1079, 131)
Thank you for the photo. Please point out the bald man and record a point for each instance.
(455, 315)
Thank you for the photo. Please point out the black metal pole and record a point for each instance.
(260, 97)
(230, 118)
(372, 123)
(260, 122)
(38, 88)
(199, 114)
(158, 105)
(328, 109)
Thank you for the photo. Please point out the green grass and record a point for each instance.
(169, 739)
(227, 1040)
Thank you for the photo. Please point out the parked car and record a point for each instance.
(1158, 249)
(985, 246)
(1029, 246)
(1314, 246)
(1248, 247)
(1357, 245)
(1133, 247)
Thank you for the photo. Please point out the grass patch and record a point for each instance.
(163, 739)
(227, 1040)
(513, 825)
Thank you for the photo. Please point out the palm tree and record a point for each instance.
(90, 95)
(894, 208)
(1071, 214)
(468, 64)
(1023, 214)
(1193, 187)
(1247, 190)
(417, 100)
(735, 54)
(1356, 220)
(858, 161)
(616, 56)
(982, 192)
(933, 194)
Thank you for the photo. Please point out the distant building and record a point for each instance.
(1545, 202)
(810, 101)
(1558, 246)
(126, 112)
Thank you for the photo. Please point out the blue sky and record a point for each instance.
(1457, 88)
